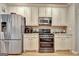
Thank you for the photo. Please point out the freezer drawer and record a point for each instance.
(15, 46)
(4, 47)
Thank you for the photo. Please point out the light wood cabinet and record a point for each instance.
(31, 42)
(68, 43)
(34, 16)
(48, 12)
(32, 13)
(58, 16)
(63, 15)
(42, 11)
(20, 11)
(58, 44)
(34, 43)
(12, 9)
(55, 16)
(28, 16)
(45, 11)
(26, 43)
(17, 10)
(62, 43)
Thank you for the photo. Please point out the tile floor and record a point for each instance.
(49, 54)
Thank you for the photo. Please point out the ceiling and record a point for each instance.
(38, 4)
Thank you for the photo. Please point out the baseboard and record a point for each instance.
(3, 54)
(62, 50)
(30, 51)
(75, 52)
(14, 53)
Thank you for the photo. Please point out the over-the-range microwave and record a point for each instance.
(45, 20)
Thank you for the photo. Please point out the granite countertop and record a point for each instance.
(30, 33)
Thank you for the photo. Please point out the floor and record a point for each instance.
(63, 53)
(48, 54)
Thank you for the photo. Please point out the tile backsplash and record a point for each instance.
(53, 29)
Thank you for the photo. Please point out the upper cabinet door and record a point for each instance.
(28, 16)
(34, 16)
(42, 11)
(55, 16)
(20, 10)
(12, 9)
(48, 12)
(58, 16)
(45, 11)
(63, 17)
(17, 10)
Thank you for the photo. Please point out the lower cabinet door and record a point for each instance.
(68, 43)
(15, 46)
(26, 43)
(62, 43)
(30, 43)
(34, 43)
(58, 44)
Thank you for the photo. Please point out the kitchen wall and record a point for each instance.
(71, 24)
(77, 27)
(3, 8)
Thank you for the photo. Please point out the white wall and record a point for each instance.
(71, 23)
(3, 6)
(77, 27)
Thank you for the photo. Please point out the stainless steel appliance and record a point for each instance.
(45, 20)
(12, 25)
(44, 30)
(46, 41)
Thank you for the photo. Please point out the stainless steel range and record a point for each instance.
(46, 41)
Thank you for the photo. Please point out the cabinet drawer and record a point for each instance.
(31, 35)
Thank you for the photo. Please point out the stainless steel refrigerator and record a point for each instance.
(11, 33)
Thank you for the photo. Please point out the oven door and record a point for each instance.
(46, 44)
(44, 31)
(46, 39)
